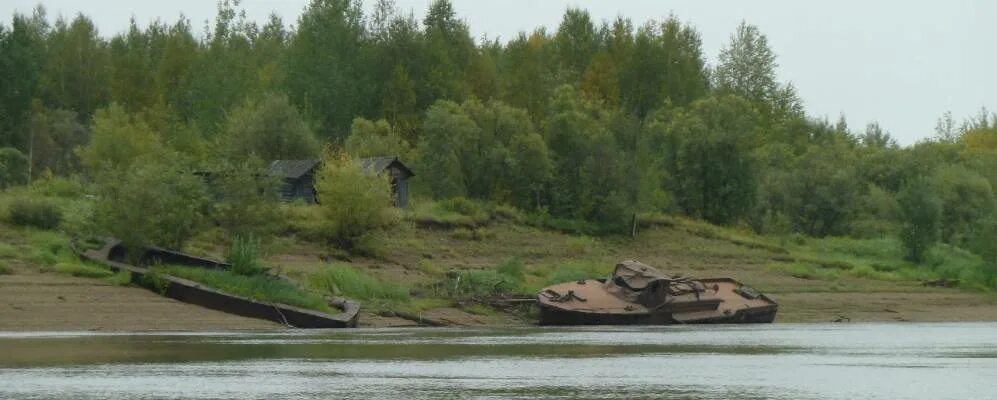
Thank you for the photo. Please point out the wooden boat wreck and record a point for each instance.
(637, 294)
(111, 253)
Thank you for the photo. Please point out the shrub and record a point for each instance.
(354, 204)
(37, 212)
(5, 269)
(154, 202)
(244, 256)
(246, 201)
(342, 280)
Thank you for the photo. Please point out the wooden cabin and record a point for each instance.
(298, 177)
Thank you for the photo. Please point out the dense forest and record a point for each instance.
(587, 126)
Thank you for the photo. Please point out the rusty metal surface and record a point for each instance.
(639, 294)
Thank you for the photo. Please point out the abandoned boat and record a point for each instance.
(637, 294)
(111, 253)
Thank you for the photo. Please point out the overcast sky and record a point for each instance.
(901, 63)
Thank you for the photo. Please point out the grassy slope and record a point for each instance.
(814, 279)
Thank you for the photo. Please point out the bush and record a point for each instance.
(354, 204)
(244, 256)
(342, 280)
(5, 269)
(36, 212)
(154, 202)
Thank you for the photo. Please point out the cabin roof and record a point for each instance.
(291, 168)
(376, 165)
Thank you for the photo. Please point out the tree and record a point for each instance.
(967, 200)
(155, 201)
(922, 213)
(13, 167)
(55, 134)
(822, 191)
(22, 56)
(268, 128)
(355, 206)
(377, 139)
(117, 139)
(576, 42)
(449, 50)
(326, 64)
(74, 76)
(747, 66)
(715, 178)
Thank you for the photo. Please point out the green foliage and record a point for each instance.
(37, 212)
(343, 280)
(257, 287)
(245, 201)
(117, 140)
(355, 206)
(5, 269)
(83, 270)
(377, 139)
(120, 278)
(245, 257)
(922, 211)
(714, 175)
(55, 135)
(13, 168)
(267, 128)
(155, 202)
(967, 199)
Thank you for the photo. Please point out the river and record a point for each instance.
(776, 361)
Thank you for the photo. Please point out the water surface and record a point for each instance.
(781, 361)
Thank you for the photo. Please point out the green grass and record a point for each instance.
(8, 251)
(5, 269)
(83, 270)
(808, 271)
(343, 280)
(259, 287)
(120, 278)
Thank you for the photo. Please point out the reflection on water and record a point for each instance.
(875, 361)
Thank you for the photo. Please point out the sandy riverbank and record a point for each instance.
(52, 302)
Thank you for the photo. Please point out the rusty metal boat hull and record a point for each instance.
(637, 294)
(552, 316)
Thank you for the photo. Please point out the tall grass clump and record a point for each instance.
(244, 256)
(34, 212)
(342, 280)
(258, 287)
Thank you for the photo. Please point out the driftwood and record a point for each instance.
(945, 283)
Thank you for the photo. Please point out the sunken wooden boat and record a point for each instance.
(637, 294)
(111, 253)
